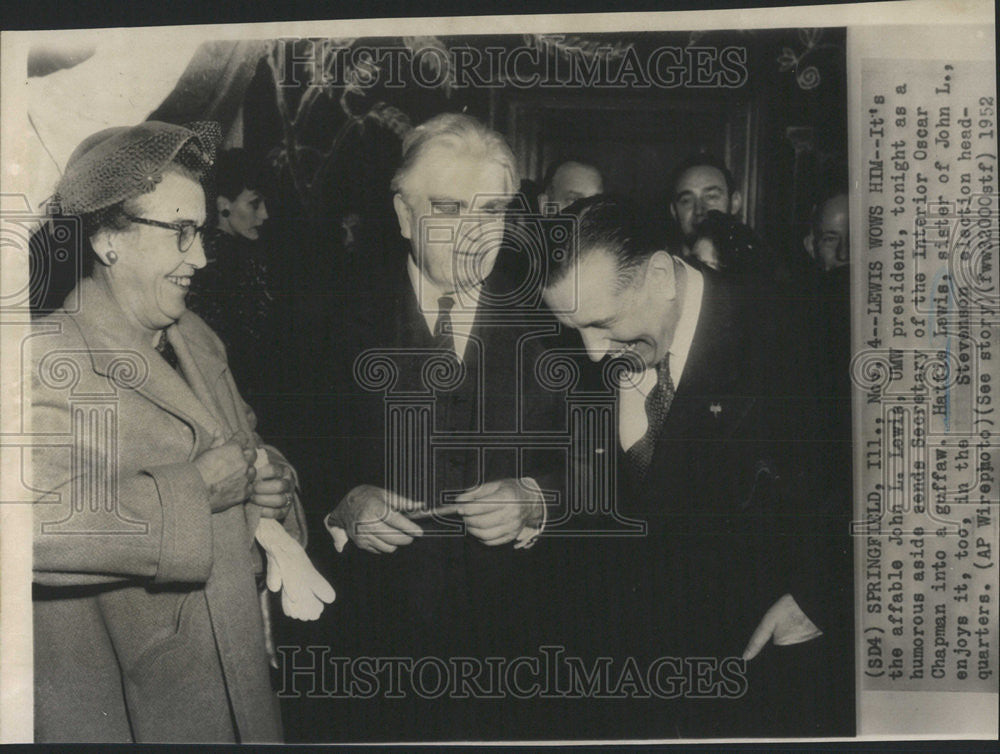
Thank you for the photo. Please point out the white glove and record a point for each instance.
(304, 591)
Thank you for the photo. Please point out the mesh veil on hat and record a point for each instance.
(123, 162)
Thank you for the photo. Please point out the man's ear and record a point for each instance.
(735, 203)
(221, 203)
(661, 273)
(405, 216)
(673, 210)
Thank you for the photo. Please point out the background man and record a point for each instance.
(829, 239)
(569, 180)
(701, 183)
(828, 299)
(710, 455)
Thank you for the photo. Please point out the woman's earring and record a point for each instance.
(112, 257)
(225, 213)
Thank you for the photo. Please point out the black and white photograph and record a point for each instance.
(567, 378)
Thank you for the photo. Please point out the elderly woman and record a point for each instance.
(152, 484)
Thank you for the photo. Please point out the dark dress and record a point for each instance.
(234, 295)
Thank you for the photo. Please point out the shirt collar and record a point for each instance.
(687, 322)
(466, 301)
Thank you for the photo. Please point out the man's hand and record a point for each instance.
(372, 519)
(496, 512)
(274, 490)
(227, 472)
(785, 623)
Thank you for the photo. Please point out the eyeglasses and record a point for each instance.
(186, 230)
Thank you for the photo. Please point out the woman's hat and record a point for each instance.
(119, 163)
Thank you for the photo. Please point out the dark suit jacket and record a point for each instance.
(446, 594)
(732, 522)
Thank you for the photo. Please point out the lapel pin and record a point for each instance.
(716, 409)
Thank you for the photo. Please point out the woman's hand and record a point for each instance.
(273, 490)
(228, 473)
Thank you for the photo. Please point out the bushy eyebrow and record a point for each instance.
(437, 201)
(690, 192)
(450, 203)
(496, 204)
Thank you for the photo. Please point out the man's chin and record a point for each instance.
(474, 272)
(631, 361)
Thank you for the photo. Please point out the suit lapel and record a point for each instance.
(392, 317)
(707, 362)
(709, 399)
(708, 403)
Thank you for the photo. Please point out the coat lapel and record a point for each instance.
(205, 373)
(110, 337)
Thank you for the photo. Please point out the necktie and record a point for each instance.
(444, 337)
(166, 350)
(658, 403)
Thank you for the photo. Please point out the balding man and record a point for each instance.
(828, 299)
(829, 240)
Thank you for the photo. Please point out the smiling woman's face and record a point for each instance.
(151, 277)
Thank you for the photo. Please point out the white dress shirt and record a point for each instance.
(463, 316)
(633, 389)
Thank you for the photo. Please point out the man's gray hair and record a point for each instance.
(462, 133)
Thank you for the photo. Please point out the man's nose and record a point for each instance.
(844, 250)
(596, 345)
(263, 212)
